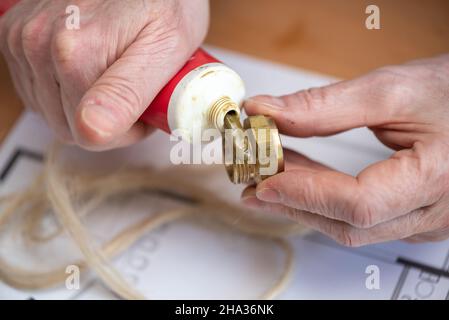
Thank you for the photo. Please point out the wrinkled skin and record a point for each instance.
(403, 197)
(92, 84)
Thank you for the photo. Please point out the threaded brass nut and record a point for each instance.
(263, 157)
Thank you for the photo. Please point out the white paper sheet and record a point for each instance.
(186, 260)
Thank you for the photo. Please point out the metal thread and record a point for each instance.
(243, 172)
(218, 111)
(224, 114)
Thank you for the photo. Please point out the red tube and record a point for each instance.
(156, 113)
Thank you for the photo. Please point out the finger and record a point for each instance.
(76, 77)
(36, 40)
(117, 99)
(433, 236)
(367, 101)
(13, 51)
(293, 161)
(249, 197)
(18, 81)
(137, 133)
(74, 73)
(398, 139)
(383, 191)
(345, 234)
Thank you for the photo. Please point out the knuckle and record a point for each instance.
(164, 45)
(363, 210)
(314, 199)
(64, 48)
(342, 233)
(432, 218)
(310, 99)
(363, 215)
(392, 86)
(31, 41)
(169, 19)
(30, 30)
(418, 221)
(306, 104)
(13, 40)
(348, 237)
(164, 37)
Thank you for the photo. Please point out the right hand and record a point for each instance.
(403, 197)
(92, 84)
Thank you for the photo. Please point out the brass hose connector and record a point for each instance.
(261, 148)
(251, 152)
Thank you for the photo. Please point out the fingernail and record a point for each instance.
(249, 198)
(99, 119)
(252, 202)
(277, 104)
(269, 195)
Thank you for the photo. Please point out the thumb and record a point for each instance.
(113, 104)
(330, 109)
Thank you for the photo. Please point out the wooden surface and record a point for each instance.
(330, 36)
(327, 36)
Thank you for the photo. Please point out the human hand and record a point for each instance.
(92, 84)
(403, 197)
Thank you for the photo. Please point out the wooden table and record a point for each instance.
(328, 36)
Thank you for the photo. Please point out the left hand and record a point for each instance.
(403, 197)
(92, 84)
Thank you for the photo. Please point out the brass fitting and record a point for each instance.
(218, 111)
(251, 152)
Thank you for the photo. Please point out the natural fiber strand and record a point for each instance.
(70, 197)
